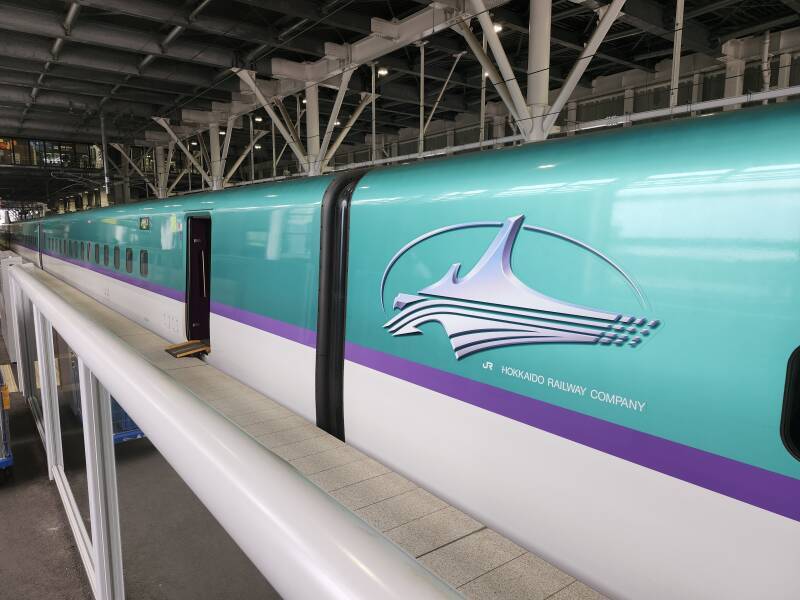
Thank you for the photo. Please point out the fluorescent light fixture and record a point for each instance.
(304, 100)
(258, 119)
(382, 71)
(337, 122)
(257, 146)
(498, 28)
(194, 143)
(221, 132)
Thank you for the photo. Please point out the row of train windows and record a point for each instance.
(85, 250)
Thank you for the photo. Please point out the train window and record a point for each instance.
(105, 254)
(116, 257)
(790, 418)
(83, 249)
(97, 253)
(143, 266)
(129, 260)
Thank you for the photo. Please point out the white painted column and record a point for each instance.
(784, 72)
(125, 191)
(160, 168)
(572, 117)
(214, 156)
(627, 104)
(677, 40)
(312, 128)
(697, 89)
(734, 70)
(539, 26)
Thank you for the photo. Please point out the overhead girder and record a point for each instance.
(655, 18)
(30, 48)
(87, 88)
(73, 102)
(48, 24)
(160, 12)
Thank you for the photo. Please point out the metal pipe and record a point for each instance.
(252, 145)
(482, 130)
(346, 129)
(441, 92)
(242, 156)
(677, 40)
(610, 14)
(494, 76)
(104, 149)
(373, 118)
(334, 116)
(766, 71)
(303, 541)
(503, 64)
(421, 145)
(161, 121)
(289, 135)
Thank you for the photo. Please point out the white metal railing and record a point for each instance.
(303, 542)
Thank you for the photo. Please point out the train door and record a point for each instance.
(198, 277)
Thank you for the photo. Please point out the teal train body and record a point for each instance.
(584, 343)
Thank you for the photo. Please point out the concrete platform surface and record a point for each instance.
(477, 561)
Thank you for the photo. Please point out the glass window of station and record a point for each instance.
(40, 153)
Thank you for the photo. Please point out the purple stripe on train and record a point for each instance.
(762, 488)
(289, 331)
(142, 283)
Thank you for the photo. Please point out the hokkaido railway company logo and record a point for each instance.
(490, 307)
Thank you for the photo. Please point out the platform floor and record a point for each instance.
(476, 560)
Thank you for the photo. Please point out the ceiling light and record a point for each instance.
(486, 73)
(258, 119)
(336, 123)
(222, 132)
(194, 143)
(382, 71)
(257, 146)
(498, 28)
(304, 100)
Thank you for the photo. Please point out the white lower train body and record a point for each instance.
(627, 530)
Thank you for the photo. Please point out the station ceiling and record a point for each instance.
(62, 63)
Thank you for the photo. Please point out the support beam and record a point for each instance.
(128, 160)
(488, 68)
(651, 16)
(312, 126)
(243, 155)
(248, 77)
(365, 99)
(503, 64)
(676, 54)
(165, 125)
(441, 92)
(539, 28)
(607, 18)
(334, 116)
(178, 177)
(215, 156)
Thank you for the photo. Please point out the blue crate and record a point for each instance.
(125, 428)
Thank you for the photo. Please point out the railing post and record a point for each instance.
(49, 391)
(101, 478)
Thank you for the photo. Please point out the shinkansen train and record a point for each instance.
(589, 344)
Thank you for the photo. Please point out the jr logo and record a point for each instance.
(490, 307)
